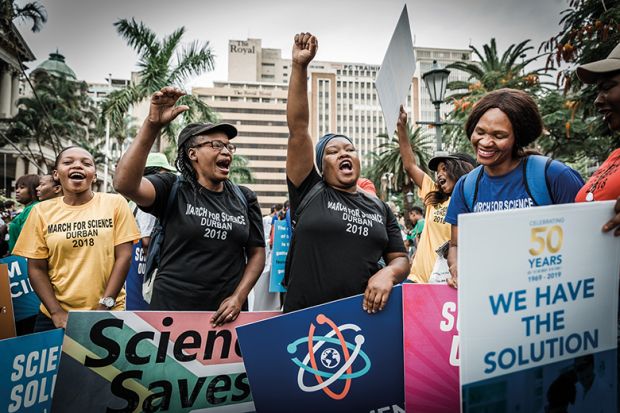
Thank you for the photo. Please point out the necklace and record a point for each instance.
(602, 174)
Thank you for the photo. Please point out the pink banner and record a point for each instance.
(431, 341)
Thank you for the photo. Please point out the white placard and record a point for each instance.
(396, 73)
(538, 287)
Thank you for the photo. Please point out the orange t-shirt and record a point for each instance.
(604, 184)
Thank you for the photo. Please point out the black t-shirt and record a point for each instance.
(203, 253)
(337, 242)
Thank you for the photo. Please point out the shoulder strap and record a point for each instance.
(172, 196)
(239, 194)
(312, 193)
(470, 187)
(534, 168)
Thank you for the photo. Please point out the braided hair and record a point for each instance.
(184, 164)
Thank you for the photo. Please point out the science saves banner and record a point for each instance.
(28, 366)
(538, 298)
(330, 358)
(152, 361)
(431, 343)
(25, 301)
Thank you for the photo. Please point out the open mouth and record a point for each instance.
(441, 181)
(346, 165)
(485, 153)
(77, 176)
(223, 164)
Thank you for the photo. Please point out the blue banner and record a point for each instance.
(25, 301)
(281, 239)
(330, 358)
(28, 366)
(135, 276)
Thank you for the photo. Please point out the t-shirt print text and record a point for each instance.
(81, 233)
(358, 222)
(216, 224)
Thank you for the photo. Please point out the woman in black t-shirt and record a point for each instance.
(342, 233)
(213, 250)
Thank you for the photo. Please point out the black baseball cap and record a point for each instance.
(195, 129)
(459, 156)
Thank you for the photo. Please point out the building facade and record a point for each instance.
(342, 99)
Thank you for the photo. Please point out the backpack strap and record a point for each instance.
(534, 169)
(470, 187)
(237, 191)
(312, 193)
(172, 196)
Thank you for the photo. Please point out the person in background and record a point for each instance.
(79, 245)
(48, 188)
(26, 194)
(604, 184)
(330, 256)
(416, 217)
(500, 126)
(436, 195)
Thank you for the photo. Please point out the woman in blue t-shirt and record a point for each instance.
(499, 127)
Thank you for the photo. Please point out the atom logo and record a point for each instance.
(340, 358)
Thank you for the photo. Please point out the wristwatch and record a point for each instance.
(108, 302)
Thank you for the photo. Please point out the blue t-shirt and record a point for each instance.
(497, 193)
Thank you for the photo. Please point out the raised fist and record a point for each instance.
(304, 48)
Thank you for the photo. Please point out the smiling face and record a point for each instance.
(443, 178)
(341, 164)
(75, 170)
(494, 142)
(608, 100)
(212, 166)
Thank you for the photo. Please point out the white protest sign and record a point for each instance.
(396, 72)
(538, 298)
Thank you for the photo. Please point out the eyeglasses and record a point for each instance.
(217, 145)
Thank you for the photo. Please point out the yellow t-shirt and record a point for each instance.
(435, 233)
(78, 243)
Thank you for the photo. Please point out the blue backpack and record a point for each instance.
(534, 168)
(157, 237)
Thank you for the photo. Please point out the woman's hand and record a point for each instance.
(229, 311)
(304, 48)
(378, 291)
(401, 123)
(615, 221)
(162, 109)
(59, 318)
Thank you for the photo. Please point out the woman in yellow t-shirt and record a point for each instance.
(78, 245)
(436, 195)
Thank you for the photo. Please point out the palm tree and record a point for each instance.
(240, 173)
(162, 63)
(33, 12)
(387, 158)
(493, 72)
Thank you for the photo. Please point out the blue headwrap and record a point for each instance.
(320, 148)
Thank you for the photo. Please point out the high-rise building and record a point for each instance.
(342, 99)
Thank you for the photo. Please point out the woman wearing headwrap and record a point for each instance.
(340, 233)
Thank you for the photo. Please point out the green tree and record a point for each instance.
(33, 12)
(240, 173)
(491, 72)
(162, 63)
(63, 110)
(387, 159)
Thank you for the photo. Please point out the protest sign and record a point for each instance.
(278, 256)
(431, 342)
(26, 303)
(28, 366)
(152, 361)
(135, 276)
(333, 357)
(538, 301)
(396, 72)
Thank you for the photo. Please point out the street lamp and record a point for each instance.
(409, 196)
(436, 81)
(386, 180)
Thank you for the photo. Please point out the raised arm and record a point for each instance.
(406, 153)
(299, 155)
(128, 179)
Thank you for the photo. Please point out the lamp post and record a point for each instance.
(386, 180)
(409, 196)
(107, 142)
(436, 81)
